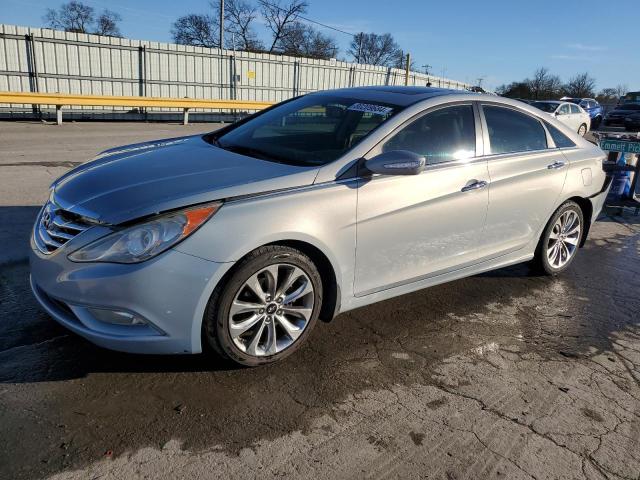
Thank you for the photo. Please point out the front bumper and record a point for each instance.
(615, 121)
(170, 292)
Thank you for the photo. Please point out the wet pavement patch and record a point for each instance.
(501, 375)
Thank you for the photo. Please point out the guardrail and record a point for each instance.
(63, 99)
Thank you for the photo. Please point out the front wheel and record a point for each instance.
(560, 240)
(582, 130)
(267, 307)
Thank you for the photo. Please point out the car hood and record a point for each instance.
(621, 113)
(133, 181)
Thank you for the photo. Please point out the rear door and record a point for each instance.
(563, 114)
(527, 177)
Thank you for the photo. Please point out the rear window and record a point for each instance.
(548, 107)
(511, 131)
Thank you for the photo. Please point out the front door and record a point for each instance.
(416, 226)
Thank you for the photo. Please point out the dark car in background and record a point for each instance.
(591, 106)
(632, 122)
(631, 97)
(616, 117)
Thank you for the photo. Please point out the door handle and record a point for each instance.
(555, 165)
(476, 185)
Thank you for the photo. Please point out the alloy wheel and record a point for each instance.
(271, 310)
(582, 130)
(563, 239)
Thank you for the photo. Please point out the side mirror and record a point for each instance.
(396, 162)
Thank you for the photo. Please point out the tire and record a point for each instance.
(545, 260)
(267, 327)
(582, 130)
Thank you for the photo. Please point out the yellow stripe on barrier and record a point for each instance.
(112, 101)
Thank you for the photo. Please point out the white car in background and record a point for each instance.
(568, 113)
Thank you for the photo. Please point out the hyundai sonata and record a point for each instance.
(241, 239)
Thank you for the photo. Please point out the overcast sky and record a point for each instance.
(499, 40)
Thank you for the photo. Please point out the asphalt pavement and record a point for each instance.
(503, 375)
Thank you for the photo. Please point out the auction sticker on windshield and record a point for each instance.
(370, 108)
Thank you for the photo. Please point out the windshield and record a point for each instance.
(310, 131)
(632, 97)
(546, 106)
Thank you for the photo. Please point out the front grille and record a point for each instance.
(55, 227)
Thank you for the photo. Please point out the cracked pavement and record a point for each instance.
(502, 375)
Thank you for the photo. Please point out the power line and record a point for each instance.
(313, 21)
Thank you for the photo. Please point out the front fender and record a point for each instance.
(323, 216)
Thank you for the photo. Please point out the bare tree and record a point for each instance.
(581, 85)
(279, 17)
(239, 18)
(607, 95)
(107, 24)
(515, 90)
(544, 85)
(196, 30)
(77, 17)
(621, 90)
(375, 49)
(71, 17)
(303, 40)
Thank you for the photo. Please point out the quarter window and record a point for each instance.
(441, 136)
(511, 131)
(559, 138)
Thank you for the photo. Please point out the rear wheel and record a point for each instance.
(266, 309)
(582, 130)
(560, 240)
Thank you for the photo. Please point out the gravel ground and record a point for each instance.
(502, 375)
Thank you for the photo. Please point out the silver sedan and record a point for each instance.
(241, 239)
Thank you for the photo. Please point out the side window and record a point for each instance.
(575, 109)
(444, 135)
(511, 131)
(559, 138)
(564, 109)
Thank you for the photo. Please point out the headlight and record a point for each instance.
(146, 240)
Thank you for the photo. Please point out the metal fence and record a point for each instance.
(52, 61)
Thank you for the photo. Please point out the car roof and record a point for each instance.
(553, 102)
(396, 95)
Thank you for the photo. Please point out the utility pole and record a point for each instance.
(426, 69)
(406, 73)
(221, 24)
(480, 79)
